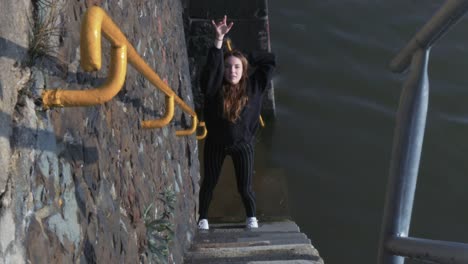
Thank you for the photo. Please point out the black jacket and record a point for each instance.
(220, 130)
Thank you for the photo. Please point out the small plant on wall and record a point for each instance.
(45, 29)
(159, 229)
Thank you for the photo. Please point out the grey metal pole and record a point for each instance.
(449, 14)
(406, 153)
(433, 251)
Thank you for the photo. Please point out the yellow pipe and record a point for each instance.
(90, 39)
(94, 23)
(165, 119)
(229, 44)
(262, 123)
(205, 131)
(140, 65)
(189, 131)
(91, 31)
(96, 96)
(90, 49)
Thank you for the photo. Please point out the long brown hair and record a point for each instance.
(235, 95)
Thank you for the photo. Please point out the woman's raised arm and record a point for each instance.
(221, 29)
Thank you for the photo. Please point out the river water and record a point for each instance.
(336, 101)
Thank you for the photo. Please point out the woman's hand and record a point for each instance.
(221, 28)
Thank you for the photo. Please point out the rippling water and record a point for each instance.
(336, 103)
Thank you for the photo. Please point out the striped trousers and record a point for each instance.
(243, 158)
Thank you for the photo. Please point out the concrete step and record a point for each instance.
(272, 242)
(254, 253)
(230, 261)
(298, 261)
(241, 261)
(246, 237)
(284, 226)
(278, 241)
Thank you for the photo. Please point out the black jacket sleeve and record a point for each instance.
(265, 63)
(212, 74)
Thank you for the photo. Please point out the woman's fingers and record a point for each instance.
(219, 24)
(222, 26)
(230, 26)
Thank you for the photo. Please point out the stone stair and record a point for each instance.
(272, 242)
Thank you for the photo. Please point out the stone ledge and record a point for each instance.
(272, 241)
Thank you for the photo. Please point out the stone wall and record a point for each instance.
(75, 182)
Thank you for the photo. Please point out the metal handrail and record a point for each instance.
(394, 242)
(260, 119)
(205, 131)
(448, 15)
(99, 95)
(96, 21)
(163, 121)
(190, 130)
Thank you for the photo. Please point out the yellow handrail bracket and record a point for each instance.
(262, 123)
(205, 131)
(95, 23)
(165, 119)
(90, 46)
(189, 131)
(96, 96)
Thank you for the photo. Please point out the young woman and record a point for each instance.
(232, 107)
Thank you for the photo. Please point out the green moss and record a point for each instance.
(159, 229)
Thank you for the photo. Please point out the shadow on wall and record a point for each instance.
(138, 104)
(1, 90)
(44, 140)
(16, 52)
(150, 114)
(12, 50)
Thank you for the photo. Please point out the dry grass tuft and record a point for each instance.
(45, 30)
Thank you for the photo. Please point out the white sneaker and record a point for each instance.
(203, 224)
(251, 222)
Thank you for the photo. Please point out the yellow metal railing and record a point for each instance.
(95, 22)
(262, 123)
(165, 119)
(205, 131)
(189, 131)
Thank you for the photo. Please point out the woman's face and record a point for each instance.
(233, 69)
